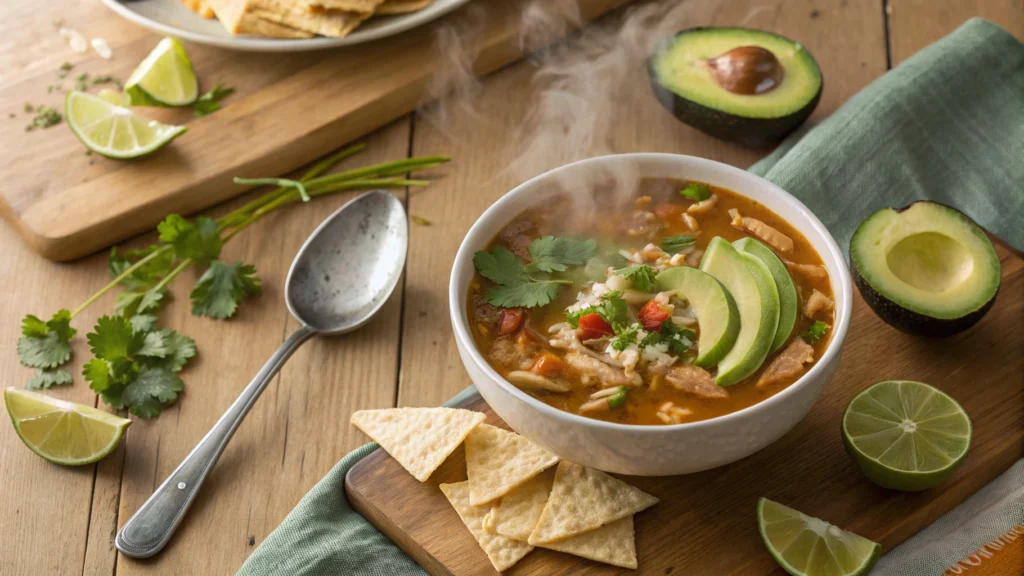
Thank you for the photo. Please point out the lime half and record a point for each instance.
(806, 546)
(164, 78)
(906, 435)
(63, 432)
(112, 130)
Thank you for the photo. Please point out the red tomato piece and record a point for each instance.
(593, 326)
(651, 316)
(548, 365)
(510, 321)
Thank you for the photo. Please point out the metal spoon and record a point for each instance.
(340, 278)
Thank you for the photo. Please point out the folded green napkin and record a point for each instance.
(946, 125)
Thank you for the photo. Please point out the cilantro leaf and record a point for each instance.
(641, 276)
(98, 374)
(113, 338)
(556, 254)
(48, 378)
(151, 391)
(222, 287)
(678, 340)
(147, 275)
(143, 322)
(33, 327)
(47, 351)
(500, 266)
(129, 303)
(197, 240)
(180, 349)
(528, 295)
(612, 307)
(209, 102)
(676, 244)
(155, 344)
(624, 336)
(815, 332)
(696, 191)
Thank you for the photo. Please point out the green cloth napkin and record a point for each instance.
(946, 125)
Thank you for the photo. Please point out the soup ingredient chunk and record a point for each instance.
(501, 551)
(694, 380)
(806, 546)
(498, 461)
(815, 332)
(773, 237)
(591, 369)
(787, 364)
(420, 439)
(817, 302)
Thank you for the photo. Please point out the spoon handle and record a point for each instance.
(151, 527)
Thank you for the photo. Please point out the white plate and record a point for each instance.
(172, 18)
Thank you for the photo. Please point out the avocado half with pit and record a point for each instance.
(745, 86)
(925, 269)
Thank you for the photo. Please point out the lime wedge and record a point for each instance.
(806, 546)
(63, 432)
(906, 435)
(164, 78)
(115, 97)
(114, 131)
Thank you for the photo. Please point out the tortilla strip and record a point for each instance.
(235, 16)
(307, 17)
(401, 6)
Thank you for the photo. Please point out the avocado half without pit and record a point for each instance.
(926, 269)
(745, 86)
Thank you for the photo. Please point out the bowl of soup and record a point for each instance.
(650, 314)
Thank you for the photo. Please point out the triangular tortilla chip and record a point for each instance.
(235, 16)
(502, 552)
(419, 438)
(303, 16)
(364, 6)
(498, 461)
(584, 499)
(401, 6)
(613, 544)
(516, 514)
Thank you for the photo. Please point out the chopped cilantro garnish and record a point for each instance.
(641, 276)
(815, 332)
(676, 244)
(696, 191)
(530, 285)
(624, 335)
(678, 340)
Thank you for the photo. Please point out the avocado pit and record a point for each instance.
(747, 70)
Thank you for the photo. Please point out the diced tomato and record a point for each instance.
(651, 316)
(548, 365)
(510, 320)
(669, 211)
(593, 326)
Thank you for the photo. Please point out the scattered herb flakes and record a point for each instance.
(64, 69)
(696, 191)
(29, 108)
(44, 118)
(815, 332)
(48, 378)
(82, 82)
(209, 102)
(106, 79)
(420, 220)
(641, 276)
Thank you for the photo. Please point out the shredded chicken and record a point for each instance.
(773, 237)
(669, 413)
(692, 223)
(652, 252)
(535, 382)
(808, 270)
(599, 405)
(643, 201)
(591, 368)
(677, 259)
(693, 260)
(696, 381)
(704, 206)
(816, 303)
(787, 364)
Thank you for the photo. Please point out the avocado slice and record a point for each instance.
(925, 269)
(746, 86)
(716, 311)
(757, 299)
(783, 282)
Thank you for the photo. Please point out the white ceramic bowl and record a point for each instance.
(651, 450)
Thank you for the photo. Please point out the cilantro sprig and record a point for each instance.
(679, 340)
(641, 276)
(530, 285)
(815, 332)
(610, 307)
(624, 335)
(676, 244)
(209, 102)
(696, 191)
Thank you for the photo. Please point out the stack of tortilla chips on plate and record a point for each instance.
(518, 495)
(298, 18)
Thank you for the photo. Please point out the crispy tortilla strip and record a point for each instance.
(498, 461)
(401, 6)
(583, 499)
(613, 544)
(516, 514)
(235, 16)
(420, 439)
(364, 6)
(502, 552)
(304, 16)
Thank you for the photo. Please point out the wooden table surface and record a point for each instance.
(56, 520)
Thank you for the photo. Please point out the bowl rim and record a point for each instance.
(844, 308)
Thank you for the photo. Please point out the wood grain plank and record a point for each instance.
(914, 24)
(493, 153)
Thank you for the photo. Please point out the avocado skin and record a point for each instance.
(912, 322)
(750, 132)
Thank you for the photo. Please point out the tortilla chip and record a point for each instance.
(613, 544)
(498, 461)
(516, 514)
(401, 6)
(304, 16)
(364, 6)
(420, 439)
(583, 499)
(502, 552)
(235, 16)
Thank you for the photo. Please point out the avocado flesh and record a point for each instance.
(685, 85)
(717, 315)
(757, 299)
(926, 269)
(788, 301)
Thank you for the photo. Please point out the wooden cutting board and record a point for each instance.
(706, 522)
(289, 109)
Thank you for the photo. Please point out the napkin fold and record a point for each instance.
(945, 125)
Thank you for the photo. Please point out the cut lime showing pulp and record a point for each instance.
(906, 435)
(112, 130)
(115, 97)
(164, 78)
(806, 546)
(63, 432)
